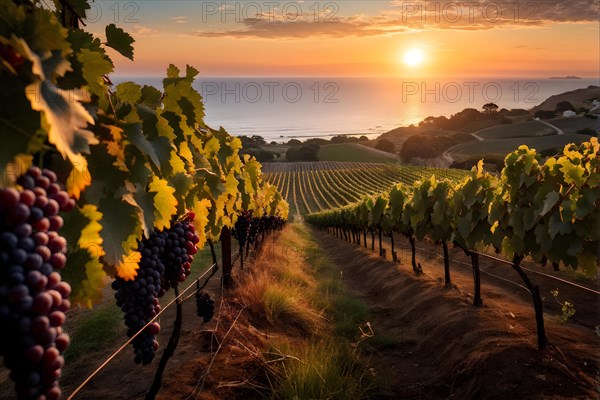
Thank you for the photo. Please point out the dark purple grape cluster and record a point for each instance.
(166, 261)
(179, 250)
(33, 299)
(205, 306)
(138, 298)
(272, 223)
(241, 229)
(254, 230)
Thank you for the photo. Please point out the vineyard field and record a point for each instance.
(317, 186)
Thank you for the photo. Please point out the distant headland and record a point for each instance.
(565, 77)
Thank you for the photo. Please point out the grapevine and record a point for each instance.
(547, 211)
(133, 157)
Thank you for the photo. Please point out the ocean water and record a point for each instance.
(280, 109)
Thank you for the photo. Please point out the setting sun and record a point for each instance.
(413, 57)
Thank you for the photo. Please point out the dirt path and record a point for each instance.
(447, 348)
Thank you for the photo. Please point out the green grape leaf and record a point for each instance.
(144, 201)
(94, 65)
(80, 7)
(172, 71)
(158, 149)
(191, 72)
(552, 199)
(119, 40)
(187, 109)
(151, 96)
(586, 202)
(557, 226)
(108, 178)
(119, 223)
(162, 146)
(74, 222)
(43, 32)
(19, 122)
(81, 39)
(129, 92)
(182, 184)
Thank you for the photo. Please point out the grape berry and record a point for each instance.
(33, 299)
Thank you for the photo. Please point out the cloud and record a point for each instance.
(407, 16)
(523, 46)
(179, 20)
(144, 31)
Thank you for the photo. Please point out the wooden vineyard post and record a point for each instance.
(477, 302)
(226, 256)
(447, 279)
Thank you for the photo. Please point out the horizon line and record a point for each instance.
(368, 77)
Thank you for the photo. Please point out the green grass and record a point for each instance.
(349, 313)
(321, 370)
(94, 330)
(522, 130)
(505, 146)
(325, 365)
(353, 152)
(284, 305)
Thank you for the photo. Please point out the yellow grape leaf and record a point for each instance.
(231, 185)
(77, 181)
(177, 163)
(236, 145)
(90, 291)
(495, 226)
(572, 154)
(479, 168)
(86, 276)
(164, 129)
(165, 204)
(185, 153)
(201, 208)
(283, 209)
(115, 147)
(128, 266)
(212, 146)
(90, 238)
(573, 174)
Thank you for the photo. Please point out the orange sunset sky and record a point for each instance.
(482, 38)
